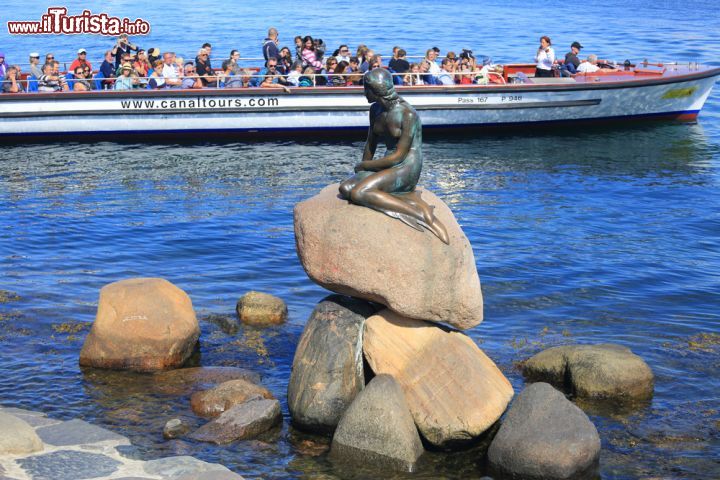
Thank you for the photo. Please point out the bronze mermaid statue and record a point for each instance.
(387, 184)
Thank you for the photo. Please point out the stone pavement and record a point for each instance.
(77, 450)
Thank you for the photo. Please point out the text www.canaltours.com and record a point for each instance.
(199, 103)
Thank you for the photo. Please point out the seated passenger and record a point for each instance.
(126, 58)
(293, 77)
(365, 65)
(141, 65)
(413, 77)
(425, 76)
(50, 80)
(35, 69)
(337, 79)
(125, 80)
(307, 79)
(169, 72)
(157, 80)
(81, 80)
(285, 61)
(3, 66)
(108, 69)
(343, 54)
(310, 55)
(572, 62)
(466, 77)
(399, 64)
(204, 70)
(272, 78)
(591, 66)
(11, 83)
(353, 65)
(230, 79)
(80, 61)
(430, 57)
(447, 69)
(190, 79)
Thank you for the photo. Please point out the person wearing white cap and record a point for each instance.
(81, 61)
(35, 69)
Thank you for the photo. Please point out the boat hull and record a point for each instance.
(258, 112)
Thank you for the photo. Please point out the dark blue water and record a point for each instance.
(602, 235)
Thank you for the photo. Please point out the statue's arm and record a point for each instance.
(409, 124)
(370, 145)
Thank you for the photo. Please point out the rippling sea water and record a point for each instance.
(598, 235)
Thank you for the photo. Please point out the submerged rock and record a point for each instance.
(142, 324)
(17, 436)
(605, 371)
(175, 428)
(358, 251)
(213, 402)
(185, 381)
(544, 436)
(454, 391)
(261, 309)
(378, 429)
(241, 422)
(327, 370)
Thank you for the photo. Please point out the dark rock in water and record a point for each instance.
(175, 428)
(227, 323)
(185, 381)
(261, 309)
(211, 403)
(241, 422)
(544, 436)
(187, 468)
(78, 432)
(604, 371)
(68, 465)
(327, 370)
(378, 429)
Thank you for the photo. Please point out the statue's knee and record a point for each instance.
(345, 190)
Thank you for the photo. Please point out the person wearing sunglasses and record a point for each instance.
(80, 61)
(343, 54)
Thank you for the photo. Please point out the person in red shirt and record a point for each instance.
(80, 61)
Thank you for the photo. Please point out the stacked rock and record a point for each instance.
(398, 283)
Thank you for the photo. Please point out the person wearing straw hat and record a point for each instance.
(125, 81)
(80, 61)
(35, 69)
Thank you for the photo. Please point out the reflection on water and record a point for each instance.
(609, 235)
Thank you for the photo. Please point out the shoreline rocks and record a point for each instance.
(327, 370)
(241, 422)
(142, 324)
(357, 251)
(544, 436)
(17, 437)
(261, 309)
(454, 391)
(213, 402)
(594, 372)
(378, 429)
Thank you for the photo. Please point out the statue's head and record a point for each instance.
(379, 85)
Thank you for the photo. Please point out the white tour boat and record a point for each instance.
(636, 92)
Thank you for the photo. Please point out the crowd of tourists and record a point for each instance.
(307, 64)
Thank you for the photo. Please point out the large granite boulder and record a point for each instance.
(544, 436)
(605, 371)
(213, 402)
(142, 324)
(17, 437)
(378, 429)
(360, 252)
(327, 370)
(241, 422)
(261, 309)
(454, 391)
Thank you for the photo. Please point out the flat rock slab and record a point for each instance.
(210, 476)
(34, 419)
(213, 402)
(17, 436)
(174, 468)
(544, 436)
(327, 369)
(68, 465)
(241, 422)
(78, 432)
(596, 372)
(454, 391)
(185, 381)
(363, 253)
(378, 429)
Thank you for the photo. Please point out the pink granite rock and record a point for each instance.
(360, 252)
